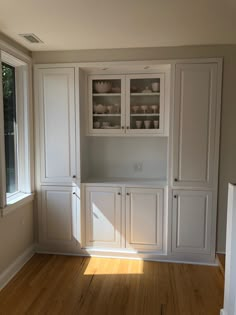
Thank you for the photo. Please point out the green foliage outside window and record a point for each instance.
(8, 84)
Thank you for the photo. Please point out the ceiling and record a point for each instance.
(95, 24)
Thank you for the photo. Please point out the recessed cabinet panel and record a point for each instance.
(191, 221)
(58, 215)
(144, 218)
(103, 216)
(57, 125)
(194, 124)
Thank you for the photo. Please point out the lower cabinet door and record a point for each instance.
(191, 221)
(103, 216)
(144, 218)
(58, 215)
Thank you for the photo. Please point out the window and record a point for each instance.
(15, 137)
(10, 127)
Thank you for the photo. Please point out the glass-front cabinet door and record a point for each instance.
(145, 104)
(106, 104)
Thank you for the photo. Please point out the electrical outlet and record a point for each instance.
(138, 166)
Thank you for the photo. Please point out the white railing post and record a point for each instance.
(230, 262)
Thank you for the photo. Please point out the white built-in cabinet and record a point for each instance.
(143, 211)
(144, 218)
(170, 212)
(127, 104)
(58, 170)
(195, 158)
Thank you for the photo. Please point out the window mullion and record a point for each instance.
(20, 130)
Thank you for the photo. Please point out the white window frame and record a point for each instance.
(24, 193)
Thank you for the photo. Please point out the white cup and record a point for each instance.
(96, 124)
(110, 108)
(156, 124)
(105, 124)
(155, 86)
(138, 124)
(147, 124)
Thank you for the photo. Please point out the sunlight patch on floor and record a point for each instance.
(100, 266)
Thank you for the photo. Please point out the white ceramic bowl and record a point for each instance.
(115, 89)
(102, 86)
(99, 109)
(96, 124)
(105, 124)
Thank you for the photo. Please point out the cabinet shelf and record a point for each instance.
(106, 94)
(106, 115)
(145, 94)
(143, 115)
(157, 182)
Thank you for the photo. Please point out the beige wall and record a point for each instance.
(16, 234)
(16, 228)
(228, 125)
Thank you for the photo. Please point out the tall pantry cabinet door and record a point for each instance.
(56, 107)
(195, 103)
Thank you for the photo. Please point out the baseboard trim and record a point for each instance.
(12, 270)
(222, 312)
(103, 254)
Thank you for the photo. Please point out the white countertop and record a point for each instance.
(127, 181)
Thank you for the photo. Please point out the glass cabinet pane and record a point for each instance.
(106, 103)
(145, 103)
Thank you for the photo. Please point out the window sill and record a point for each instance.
(16, 202)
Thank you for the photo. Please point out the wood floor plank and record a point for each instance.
(53, 284)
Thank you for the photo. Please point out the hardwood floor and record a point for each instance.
(50, 284)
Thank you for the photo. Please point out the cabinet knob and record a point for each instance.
(175, 196)
(127, 194)
(127, 127)
(176, 179)
(74, 176)
(122, 127)
(119, 193)
(74, 193)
